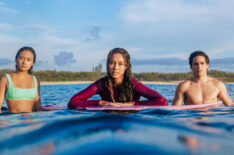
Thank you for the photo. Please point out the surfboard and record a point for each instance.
(136, 107)
(48, 107)
(143, 107)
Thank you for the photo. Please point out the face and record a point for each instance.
(199, 65)
(25, 60)
(117, 66)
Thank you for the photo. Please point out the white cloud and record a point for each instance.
(58, 40)
(7, 39)
(6, 27)
(4, 8)
(28, 2)
(38, 27)
(178, 10)
(226, 46)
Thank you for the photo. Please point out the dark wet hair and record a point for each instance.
(24, 49)
(198, 53)
(126, 88)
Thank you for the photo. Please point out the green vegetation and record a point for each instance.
(53, 75)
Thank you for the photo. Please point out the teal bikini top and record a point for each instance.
(20, 93)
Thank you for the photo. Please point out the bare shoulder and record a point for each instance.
(218, 83)
(184, 85)
(3, 79)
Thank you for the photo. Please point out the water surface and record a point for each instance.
(144, 132)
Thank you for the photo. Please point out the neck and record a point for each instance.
(200, 79)
(22, 73)
(118, 81)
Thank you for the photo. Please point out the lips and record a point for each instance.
(115, 73)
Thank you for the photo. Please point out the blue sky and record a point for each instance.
(76, 35)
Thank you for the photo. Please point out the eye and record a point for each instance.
(121, 63)
(111, 62)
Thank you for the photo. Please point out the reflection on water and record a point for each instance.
(150, 131)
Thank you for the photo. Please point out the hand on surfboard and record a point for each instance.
(115, 104)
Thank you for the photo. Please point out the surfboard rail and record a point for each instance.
(143, 107)
(136, 107)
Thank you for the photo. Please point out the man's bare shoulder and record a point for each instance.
(217, 82)
(184, 85)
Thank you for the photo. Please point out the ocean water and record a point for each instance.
(144, 132)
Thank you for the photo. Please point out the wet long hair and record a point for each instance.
(126, 88)
(24, 49)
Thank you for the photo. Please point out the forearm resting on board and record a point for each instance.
(107, 103)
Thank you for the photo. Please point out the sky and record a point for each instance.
(76, 35)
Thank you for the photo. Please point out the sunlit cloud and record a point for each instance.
(4, 8)
(38, 27)
(28, 2)
(178, 10)
(6, 27)
(59, 40)
(8, 39)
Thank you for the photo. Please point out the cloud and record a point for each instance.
(6, 27)
(4, 8)
(167, 10)
(223, 61)
(4, 61)
(225, 64)
(177, 64)
(38, 27)
(58, 41)
(94, 34)
(160, 61)
(64, 58)
(178, 61)
(28, 2)
(41, 63)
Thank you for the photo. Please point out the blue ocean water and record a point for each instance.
(144, 132)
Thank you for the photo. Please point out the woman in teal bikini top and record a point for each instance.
(20, 93)
(21, 89)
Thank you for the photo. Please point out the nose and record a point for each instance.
(116, 66)
(23, 61)
(199, 65)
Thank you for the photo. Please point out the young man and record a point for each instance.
(201, 88)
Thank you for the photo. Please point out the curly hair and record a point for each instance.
(24, 49)
(126, 88)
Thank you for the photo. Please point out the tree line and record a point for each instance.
(53, 75)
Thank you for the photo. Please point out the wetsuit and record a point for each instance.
(81, 98)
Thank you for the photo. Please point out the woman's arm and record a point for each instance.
(154, 98)
(3, 83)
(81, 98)
(37, 102)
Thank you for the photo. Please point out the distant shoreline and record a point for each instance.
(88, 82)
